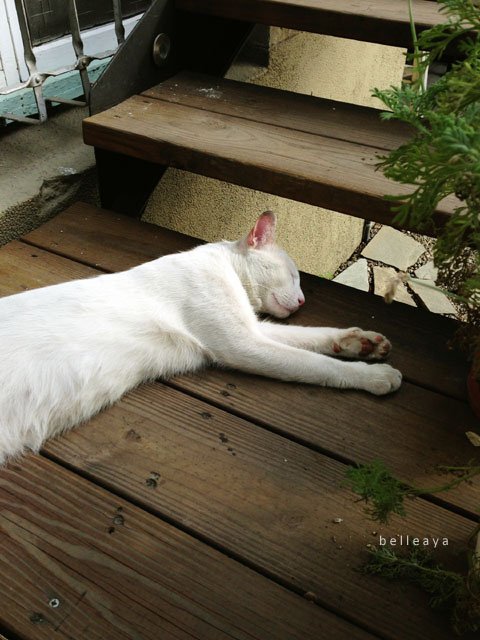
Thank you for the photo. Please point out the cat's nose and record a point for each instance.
(301, 301)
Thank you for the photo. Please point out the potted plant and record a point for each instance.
(443, 159)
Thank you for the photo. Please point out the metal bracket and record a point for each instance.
(126, 183)
(163, 42)
(133, 69)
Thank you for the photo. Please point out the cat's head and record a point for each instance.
(273, 278)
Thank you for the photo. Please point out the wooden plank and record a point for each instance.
(350, 425)
(421, 340)
(24, 267)
(120, 573)
(286, 109)
(260, 497)
(415, 432)
(113, 242)
(382, 21)
(125, 242)
(327, 172)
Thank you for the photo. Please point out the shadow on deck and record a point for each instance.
(214, 506)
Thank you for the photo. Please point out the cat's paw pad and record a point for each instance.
(382, 379)
(368, 345)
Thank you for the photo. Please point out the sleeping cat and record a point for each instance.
(69, 350)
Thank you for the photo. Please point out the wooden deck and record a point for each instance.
(204, 507)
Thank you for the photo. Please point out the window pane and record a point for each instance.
(48, 19)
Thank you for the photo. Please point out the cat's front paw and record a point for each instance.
(367, 345)
(381, 379)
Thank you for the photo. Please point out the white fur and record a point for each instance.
(69, 350)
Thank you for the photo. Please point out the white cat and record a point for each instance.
(69, 350)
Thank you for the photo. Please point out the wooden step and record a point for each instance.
(429, 408)
(252, 467)
(317, 151)
(382, 21)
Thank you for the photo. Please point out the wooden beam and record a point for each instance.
(382, 21)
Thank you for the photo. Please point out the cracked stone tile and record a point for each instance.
(427, 272)
(356, 275)
(382, 277)
(434, 300)
(394, 248)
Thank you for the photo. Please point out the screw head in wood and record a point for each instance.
(161, 49)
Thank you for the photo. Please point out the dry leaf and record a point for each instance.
(395, 282)
(473, 437)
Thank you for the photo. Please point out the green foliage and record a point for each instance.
(385, 494)
(447, 589)
(443, 156)
(375, 485)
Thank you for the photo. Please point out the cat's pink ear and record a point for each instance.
(263, 233)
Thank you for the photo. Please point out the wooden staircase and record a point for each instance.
(214, 506)
(300, 147)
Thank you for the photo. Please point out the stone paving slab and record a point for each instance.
(356, 275)
(434, 300)
(427, 272)
(382, 278)
(394, 248)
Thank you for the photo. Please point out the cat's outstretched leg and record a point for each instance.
(346, 343)
(264, 356)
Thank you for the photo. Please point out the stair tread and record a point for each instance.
(319, 116)
(381, 21)
(296, 146)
